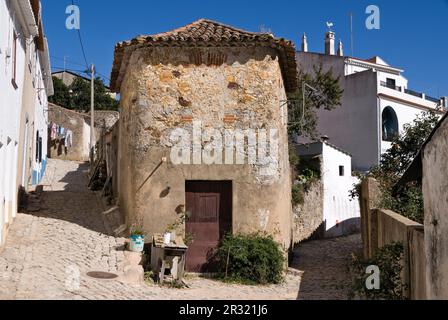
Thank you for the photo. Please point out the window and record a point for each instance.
(390, 124)
(390, 83)
(37, 146)
(341, 171)
(14, 60)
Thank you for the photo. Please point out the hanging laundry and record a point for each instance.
(68, 139)
(54, 128)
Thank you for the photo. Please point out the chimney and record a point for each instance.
(445, 103)
(340, 49)
(304, 43)
(329, 43)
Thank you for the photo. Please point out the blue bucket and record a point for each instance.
(137, 243)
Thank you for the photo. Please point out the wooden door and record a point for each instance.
(209, 211)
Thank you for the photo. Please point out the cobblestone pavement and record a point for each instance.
(324, 267)
(46, 250)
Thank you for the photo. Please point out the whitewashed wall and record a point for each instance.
(406, 114)
(10, 108)
(341, 213)
(40, 125)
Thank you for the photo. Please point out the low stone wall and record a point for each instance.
(383, 227)
(308, 217)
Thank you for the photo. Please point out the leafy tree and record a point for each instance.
(322, 91)
(81, 95)
(61, 95)
(77, 95)
(408, 201)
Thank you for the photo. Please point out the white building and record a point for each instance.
(341, 214)
(376, 103)
(25, 83)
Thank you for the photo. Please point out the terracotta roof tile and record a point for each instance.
(203, 33)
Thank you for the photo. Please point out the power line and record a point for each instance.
(71, 70)
(82, 44)
(68, 61)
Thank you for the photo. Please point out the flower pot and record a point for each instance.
(167, 238)
(137, 243)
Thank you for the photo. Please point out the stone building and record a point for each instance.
(203, 133)
(79, 124)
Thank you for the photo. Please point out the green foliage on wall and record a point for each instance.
(389, 260)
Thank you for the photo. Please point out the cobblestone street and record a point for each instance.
(67, 235)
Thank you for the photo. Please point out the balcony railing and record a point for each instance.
(411, 92)
(432, 99)
(390, 86)
(414, 93)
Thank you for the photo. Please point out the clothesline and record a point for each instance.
(60, 133)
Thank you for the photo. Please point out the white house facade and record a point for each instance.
(341, 214)
(376, 103)
(25, 83)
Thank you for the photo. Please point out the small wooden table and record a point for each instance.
(171, 256)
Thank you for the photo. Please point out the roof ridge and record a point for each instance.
(198, 22)
(207, 32)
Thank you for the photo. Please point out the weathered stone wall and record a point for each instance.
(224, 88)
(106, 118)
(309, 217)
(383, 227)
(79, 124)
(393, 227)
(435, 186)
(369, 196)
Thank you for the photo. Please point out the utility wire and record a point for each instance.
(81, 42)
(68, 61)
(71, 70)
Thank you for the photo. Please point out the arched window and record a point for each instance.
(390, 124)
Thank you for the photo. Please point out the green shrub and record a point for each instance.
(298, 194)
(251, 259)
(389, 261)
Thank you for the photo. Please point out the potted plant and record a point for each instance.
(137, 240)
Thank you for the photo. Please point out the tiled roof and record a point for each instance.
(207, 33)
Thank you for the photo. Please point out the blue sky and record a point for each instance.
(413, 34)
